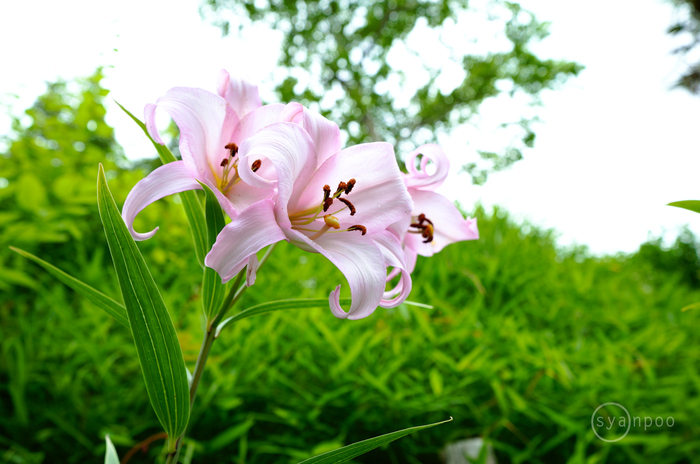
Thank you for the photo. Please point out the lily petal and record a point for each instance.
(257, 119)
(253, 229)
(411, 259)
(290, 150)
(239, 93)
(324, 133)
(394, 257)
(379, 196)
(251, 270)
(242, 195)
(362, 263)
(206, 123)
(165, 180)
(449, 225)
(421, 179)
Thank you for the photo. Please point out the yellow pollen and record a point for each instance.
(429, 228)
(331, 221)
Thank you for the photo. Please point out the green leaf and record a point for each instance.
(190, 202)
(346, 453)
(692, 205)
(229, 435)
(111, 456)
(300, 303)
(98, 298)
(213, 291)
(691, 306)
(156, 341)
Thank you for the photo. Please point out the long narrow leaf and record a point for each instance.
(190, 202)
(213, 291)
(156, 341)
(96, 297)
(691, 205)
(111, 456)
(300, 303)
(346, 453)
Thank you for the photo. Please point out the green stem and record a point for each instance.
(231, 299)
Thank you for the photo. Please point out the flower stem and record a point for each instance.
(233, 296)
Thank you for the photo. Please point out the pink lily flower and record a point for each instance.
(435, 221)
(211, 128)
(347, 224)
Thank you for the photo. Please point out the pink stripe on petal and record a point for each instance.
(170, 178)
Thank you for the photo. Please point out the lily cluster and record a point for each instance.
(279, 173)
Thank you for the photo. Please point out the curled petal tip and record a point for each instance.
(139, 237)
(334, 301)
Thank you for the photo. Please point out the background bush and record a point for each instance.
(525, 339)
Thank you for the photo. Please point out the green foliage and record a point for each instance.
(341, 48)
(523, 342)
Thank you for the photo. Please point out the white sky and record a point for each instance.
(614, 146)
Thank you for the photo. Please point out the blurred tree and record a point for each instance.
(336, 59)
(688, 25)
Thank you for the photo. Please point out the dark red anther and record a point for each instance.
(233, 147)
(363, 229)
(256, 165)
(327, 203)
(350, 205)
(224, 162)
(341, 187)
(326, 192)
(350, 185)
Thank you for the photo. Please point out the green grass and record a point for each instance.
(523, 343)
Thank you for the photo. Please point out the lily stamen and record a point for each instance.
(349, 205)
(424, 227)
(327, 203)
(309, 216)
(359, 227)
